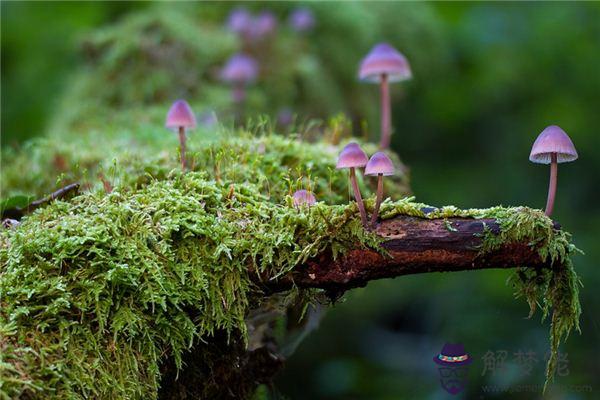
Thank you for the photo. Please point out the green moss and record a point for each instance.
(100, 288)
(98, 291)
(278, 165)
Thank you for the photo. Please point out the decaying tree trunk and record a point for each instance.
(413, 245)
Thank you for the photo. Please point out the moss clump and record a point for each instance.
(97, 291)
(278, 165)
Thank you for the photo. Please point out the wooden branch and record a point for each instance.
(414, 246)
(17, 213)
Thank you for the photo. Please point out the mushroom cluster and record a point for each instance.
(383, 64)
(352, 157)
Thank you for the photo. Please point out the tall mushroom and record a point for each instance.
(385, 64)
(379, 165)
(179, 118)
(552, 146)
(352, 156)
(239, 71)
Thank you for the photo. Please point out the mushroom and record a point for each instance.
(263, 25)
(302, 20)
(179, 118)
(379, 165)
(303, 198)
(352, 156)
(239, 21)
(382, 65)
(552, 146)
(239, 71)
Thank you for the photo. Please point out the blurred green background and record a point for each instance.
(488, 77)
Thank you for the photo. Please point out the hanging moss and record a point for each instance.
(557, 290)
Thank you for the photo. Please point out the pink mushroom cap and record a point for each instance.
(553, 140)
(180, 115)
(304, 198)
(240, 68)
(384, 59)
(239, 21)
(302, 20)
(379, 164)
(264, 24)
(352, 156)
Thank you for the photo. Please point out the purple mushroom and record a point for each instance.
(552, 146)
(384, 64)
(352, 156)
(239, 71)
(304, 198)
(239, 21)
(379, 165)
(302, 20)
(179, 118)
(285, 117)
(263, 25)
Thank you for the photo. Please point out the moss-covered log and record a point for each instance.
(113, 295)
(412, 246)
(110, 295)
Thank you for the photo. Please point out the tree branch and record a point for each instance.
(18, 212)
(414, 246)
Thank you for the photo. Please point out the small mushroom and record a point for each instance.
(303, 198)
(552, 146)
(302, 20)
(379, 165)
(265, 24)
(239, 71)
(352, 156)
(181, 118)
(382, 65)
(239, 21)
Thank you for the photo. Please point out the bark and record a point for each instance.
(413, 246)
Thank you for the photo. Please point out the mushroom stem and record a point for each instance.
(182, 146)
(386, 114)
(552, 185)
(378, 200)
(239, 97)
(358, 197)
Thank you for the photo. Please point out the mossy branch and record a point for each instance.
(413, 245)
(100, 294)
